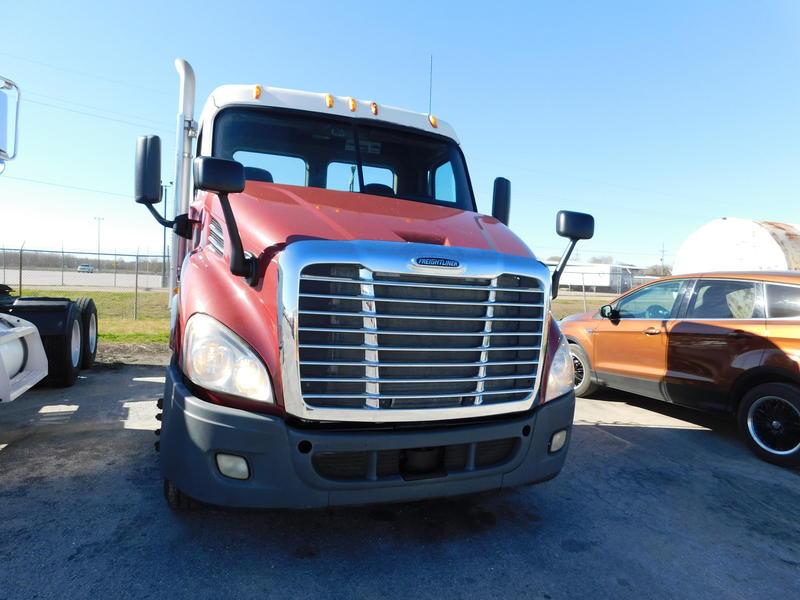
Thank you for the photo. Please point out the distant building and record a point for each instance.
(597, 277)
(731, 244)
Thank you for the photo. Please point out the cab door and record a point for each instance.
(720, 336)
(630, 349)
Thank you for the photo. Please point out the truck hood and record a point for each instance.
(271, 215)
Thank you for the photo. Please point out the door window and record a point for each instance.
(653, 302)
(721, 299)
(783, 301)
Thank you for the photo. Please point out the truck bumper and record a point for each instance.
(292, 467)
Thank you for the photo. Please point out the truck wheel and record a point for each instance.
(769, 419)
(583, 371)
(176, 499)
(65, 351)
(89, 320)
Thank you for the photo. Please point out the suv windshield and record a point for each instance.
(304, 149)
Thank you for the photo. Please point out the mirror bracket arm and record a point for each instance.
(161, 220)
(562, 264)
(241, 265)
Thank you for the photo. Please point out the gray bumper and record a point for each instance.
(281, 476)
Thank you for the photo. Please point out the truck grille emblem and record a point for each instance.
(435, 261)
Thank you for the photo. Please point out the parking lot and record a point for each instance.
(654, 502)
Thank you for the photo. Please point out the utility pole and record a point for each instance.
(164, 236)
(663, 272)
(99, 220)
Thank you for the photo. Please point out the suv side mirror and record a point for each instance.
(501, 200)
(574, 225)
(608, 312)
(218, 175)
(147, 181)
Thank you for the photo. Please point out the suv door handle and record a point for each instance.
(737, 335)
(652, 331)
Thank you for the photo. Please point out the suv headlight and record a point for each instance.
(560, 378)
(218, 360)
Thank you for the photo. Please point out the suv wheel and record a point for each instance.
(769, 418)
(583, 372)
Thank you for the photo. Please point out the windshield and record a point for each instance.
(294, 148)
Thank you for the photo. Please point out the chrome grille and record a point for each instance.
(370, 339)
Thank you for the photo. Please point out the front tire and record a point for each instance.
(769, 419)
(584, 385)
(175, 498)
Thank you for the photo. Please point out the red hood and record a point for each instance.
(269, 214)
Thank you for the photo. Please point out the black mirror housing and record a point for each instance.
(574, 225)
(218, 175)
(147, 180)
(501, 200)
(607, 312)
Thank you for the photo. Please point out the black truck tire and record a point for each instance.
(89, 326)
(65, 351)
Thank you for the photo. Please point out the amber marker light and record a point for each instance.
(257, 92)
(373, 106)
(329, 100)
(434, 121)
(351, 102)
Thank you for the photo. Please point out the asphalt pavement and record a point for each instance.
(654, 502)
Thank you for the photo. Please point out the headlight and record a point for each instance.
(561, 376)
(218, 360)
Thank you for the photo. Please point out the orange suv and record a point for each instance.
(717, 342)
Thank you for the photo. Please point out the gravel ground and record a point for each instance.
(654, 502)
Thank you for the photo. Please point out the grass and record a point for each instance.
(569, 305)
(115, 311)
(116, 322)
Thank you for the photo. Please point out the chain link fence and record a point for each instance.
(22, 268)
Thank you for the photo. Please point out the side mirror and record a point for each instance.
(608, 312)
(501, 200)
(574, 225)
(218, 175)
(9, 105)
(147, 181)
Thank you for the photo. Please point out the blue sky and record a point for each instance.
(654, 116)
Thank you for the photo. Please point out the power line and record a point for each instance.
(84, 73)
(100, 108)
(68, 187)
(96, 116)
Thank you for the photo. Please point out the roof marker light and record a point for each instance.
(434, 121)
(257, 92)
(328, 100)
(373, 106)
(351, 102)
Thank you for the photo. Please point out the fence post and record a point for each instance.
(136, 288)
(19, 290)
(583, 290)
(62, 264)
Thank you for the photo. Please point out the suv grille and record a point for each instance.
(392, 341)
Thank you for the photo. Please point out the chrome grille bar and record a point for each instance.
(418, 300)
(450, 395)
(423, 333)
(381, 282)
(364, 314)
(419, 348)
(426, 365)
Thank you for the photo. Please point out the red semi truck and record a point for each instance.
(347, 328)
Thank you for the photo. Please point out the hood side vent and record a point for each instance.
(216, 237)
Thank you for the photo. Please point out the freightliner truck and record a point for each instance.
(347, 328)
